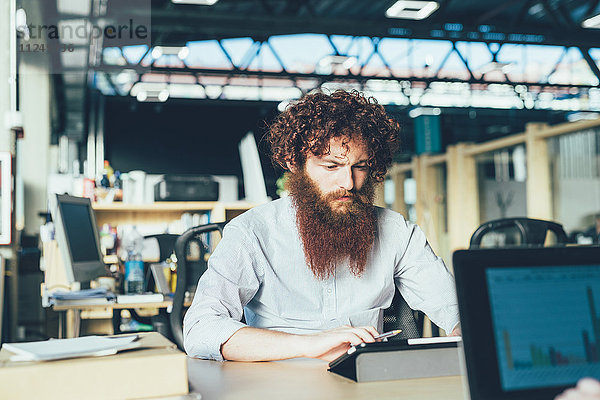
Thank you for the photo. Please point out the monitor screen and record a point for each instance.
(546, 324)
(77, 237)
(79, 231)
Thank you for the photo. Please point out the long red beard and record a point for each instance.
(332, 231)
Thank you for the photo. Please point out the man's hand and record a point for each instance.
(456, 331)
(254, 344)
(329, 345)
(586, 389)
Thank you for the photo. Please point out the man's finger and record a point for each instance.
(371, 330)
(364, 334)
(354, 339)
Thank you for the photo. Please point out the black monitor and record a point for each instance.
(77, 237)
(530, 320)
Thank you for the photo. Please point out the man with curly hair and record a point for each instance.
(312, 272)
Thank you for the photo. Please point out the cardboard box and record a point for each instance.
(157, 368)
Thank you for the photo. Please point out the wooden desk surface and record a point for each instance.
(111, 305)
(115, 306)
(307, 379)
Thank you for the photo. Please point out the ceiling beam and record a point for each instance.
(324, 78)
(212, 25)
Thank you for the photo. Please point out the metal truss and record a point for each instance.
(421, 77)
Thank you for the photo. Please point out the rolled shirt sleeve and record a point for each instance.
(424, 281)
(230, 282)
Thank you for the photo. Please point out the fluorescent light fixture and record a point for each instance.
(417, 112)
(181, 52)
(592, 22)
(142, 95)
(496, 66)
(150, 91)
(335, 64)
(283, 105)
(581, 115)
(195, 2)
(338, 61)
(412, 9)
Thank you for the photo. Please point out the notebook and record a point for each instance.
(530, 319)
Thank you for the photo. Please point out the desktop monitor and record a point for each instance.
(77, 237)
(530, 319)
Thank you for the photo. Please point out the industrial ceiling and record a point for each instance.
(480, 50)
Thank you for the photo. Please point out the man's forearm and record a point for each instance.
(254, 344)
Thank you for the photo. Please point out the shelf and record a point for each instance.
(165, 212)
(172, 206)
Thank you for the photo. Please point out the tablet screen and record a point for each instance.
(546, 323)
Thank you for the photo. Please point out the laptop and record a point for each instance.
(530, 319)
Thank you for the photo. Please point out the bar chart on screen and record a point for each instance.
(546, 324)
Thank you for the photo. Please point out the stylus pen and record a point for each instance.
(388, 334)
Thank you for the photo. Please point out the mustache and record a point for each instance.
(351, 194)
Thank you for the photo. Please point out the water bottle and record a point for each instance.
(134, 266)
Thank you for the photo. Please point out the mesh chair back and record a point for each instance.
(182, 245)
(529, 232)
(400, 316)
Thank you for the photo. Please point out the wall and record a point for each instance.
(488, 192)
(576, 201)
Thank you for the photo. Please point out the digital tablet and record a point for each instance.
(399, 359)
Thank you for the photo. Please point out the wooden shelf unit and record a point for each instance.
(166, 211)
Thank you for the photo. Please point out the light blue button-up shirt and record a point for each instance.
(259, 269)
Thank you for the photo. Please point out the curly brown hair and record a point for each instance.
(309, 125)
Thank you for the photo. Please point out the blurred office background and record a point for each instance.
(499, 104)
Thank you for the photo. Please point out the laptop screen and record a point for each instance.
(546, 324)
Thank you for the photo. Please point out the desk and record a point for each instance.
(307, 379)
(70, 315)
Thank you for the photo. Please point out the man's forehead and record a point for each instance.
(343, 147)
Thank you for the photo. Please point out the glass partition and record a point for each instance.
(501, 177)
(575, 175)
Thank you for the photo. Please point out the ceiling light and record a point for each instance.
(142, 95)
(412, 9)
(150, 91)
(163, 95)
(417, 112)
(335, 61)
(496, 66)
(181, 52)
(592, 22)
(335, 64)
(196, 2)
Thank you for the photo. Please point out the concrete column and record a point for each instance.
(5, 60)
(8, 291)
(35, 146)
(34, 149)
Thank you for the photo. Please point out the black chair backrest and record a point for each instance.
(400, 316)
(181, 252)
(532, 232)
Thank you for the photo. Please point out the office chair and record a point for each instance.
(400, 316)
(530, 232)
(185, 268)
